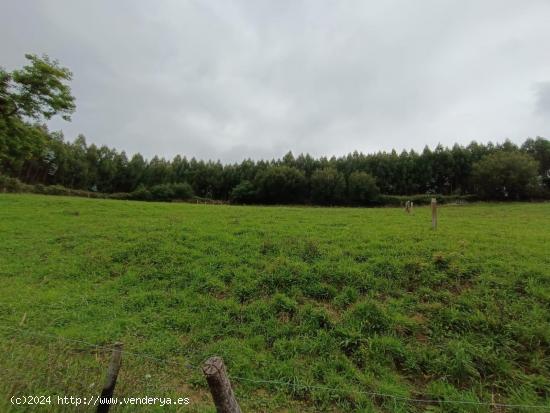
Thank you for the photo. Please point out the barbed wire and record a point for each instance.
(99, 346)
(287, 383)
(392, 396)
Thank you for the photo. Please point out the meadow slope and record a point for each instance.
(357, 300)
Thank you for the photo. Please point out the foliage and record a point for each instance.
(163, 192)
(244, 193)
(362, 188)
(539, 149)
(361, 300)
(35, 155)
(182, 190)
(506, 175)
(36, 91)
(142, 194)
(281, 184)
(328, 186)
(41, 157)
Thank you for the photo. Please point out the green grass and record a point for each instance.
(359, 300)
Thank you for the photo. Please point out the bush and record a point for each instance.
(8, 184)
(424, 199)
(87, 194)
(362, 188)
(244, 193)
(120, 195)
(506, 175)
(141, 194)
(56, 190)
(39, 188)
(328, 186)
(162, 192)
(281, 184)
(182, 190)
(390, 200)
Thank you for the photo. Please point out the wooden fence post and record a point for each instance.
(434, 213)
(110, 379)
(220, 386)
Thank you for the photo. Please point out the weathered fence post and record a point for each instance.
(110, 379)
(434, 213)
(220, 386)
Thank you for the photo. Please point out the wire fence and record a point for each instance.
(292, 384)
(101, 347)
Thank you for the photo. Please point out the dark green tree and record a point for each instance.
(36, 91)
(506, 175)
(244, 193)
(281, 184)
(328, 186)
(182, 190)
(539, 149)
(362, 188)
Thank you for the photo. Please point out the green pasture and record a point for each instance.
(312, 309)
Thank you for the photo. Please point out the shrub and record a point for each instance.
(506, 175)
(162, 192)
(56, 190)
(39, 188)
(8, 184)
(362, 188)
(119, 195)
(244, 193)
(182, 190)
(87, 194)
(328, 186)
(281, 184)
(424, 199)
(141, 194)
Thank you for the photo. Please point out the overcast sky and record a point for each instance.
(235, 79)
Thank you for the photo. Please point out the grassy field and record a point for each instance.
(355, 300)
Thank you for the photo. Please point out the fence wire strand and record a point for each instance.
(286, 383)
(102, 347)
(392, 396)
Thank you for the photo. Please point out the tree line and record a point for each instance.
(36, 156)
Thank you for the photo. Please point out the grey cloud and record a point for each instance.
(239, 79)
(543, 99)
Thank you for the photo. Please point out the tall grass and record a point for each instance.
(355, 300)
